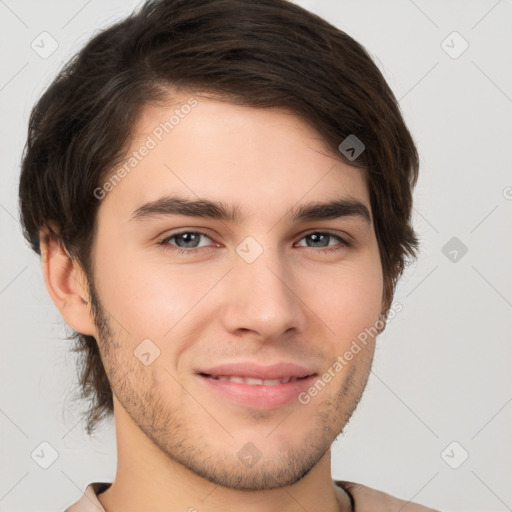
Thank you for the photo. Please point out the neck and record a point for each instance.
(148, 479)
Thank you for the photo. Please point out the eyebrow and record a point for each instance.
(204, 208)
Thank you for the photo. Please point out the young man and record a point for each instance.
(221, 194)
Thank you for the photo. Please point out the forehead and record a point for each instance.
(202, 147)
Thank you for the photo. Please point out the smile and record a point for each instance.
(252, 381)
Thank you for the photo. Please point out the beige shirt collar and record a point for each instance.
(365, 499)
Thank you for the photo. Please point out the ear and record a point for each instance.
(67, 285)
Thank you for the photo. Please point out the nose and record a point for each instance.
(263, 297)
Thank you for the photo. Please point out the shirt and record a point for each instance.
(364, 499)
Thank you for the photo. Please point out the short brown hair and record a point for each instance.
(263, 54)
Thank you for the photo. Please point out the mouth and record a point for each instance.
(251, 381)
(256, 392)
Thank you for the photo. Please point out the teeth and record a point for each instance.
(255, 382)
(250, 381)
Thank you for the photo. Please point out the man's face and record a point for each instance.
(259, 290)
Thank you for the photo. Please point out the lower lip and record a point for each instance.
(259, 396)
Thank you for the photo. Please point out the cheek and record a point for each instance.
(147, 296)
(350, 299)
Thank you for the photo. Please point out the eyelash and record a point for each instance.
(165, 242)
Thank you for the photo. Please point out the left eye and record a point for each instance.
(189, 238)
(321, 237)
(187, 241)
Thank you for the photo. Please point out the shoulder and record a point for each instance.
(89, 501)
(367, 499)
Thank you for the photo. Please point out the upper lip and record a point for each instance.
(255, 371)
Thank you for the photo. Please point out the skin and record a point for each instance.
(177, 440)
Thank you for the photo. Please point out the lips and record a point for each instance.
(249, 386)
(252, 381)
(254, 374)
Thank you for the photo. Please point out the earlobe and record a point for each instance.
(67, 285)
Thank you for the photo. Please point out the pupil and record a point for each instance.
(190, 236)
(315, 237)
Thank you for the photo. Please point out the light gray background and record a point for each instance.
(442, 367)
